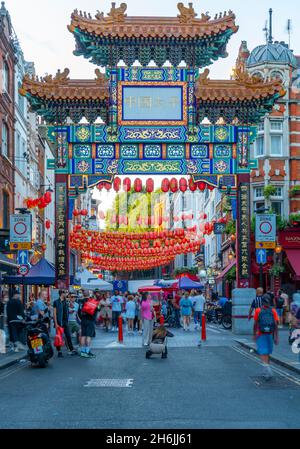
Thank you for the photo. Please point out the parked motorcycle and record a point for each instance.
(40, 349)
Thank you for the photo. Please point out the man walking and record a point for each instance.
(15, 311)
(198, 301)
(61, 318)
(116, 302)
(88, 313)
(265, 329)
(257, 302)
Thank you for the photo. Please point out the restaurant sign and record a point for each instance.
(289, 239)
(244, 233)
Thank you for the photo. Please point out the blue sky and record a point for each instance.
(41, 27)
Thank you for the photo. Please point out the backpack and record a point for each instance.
(90, 307)
(266, 321)
(280, 302)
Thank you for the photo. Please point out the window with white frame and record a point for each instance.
(5, 142)
(259, 205)
(5, 77)
(276, 137)
(259, 146)
(259, 192)
(278, 192)
(261, 126)
(277, 207)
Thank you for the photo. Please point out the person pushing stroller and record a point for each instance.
(158, 344)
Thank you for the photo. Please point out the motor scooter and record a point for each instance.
(39, 345)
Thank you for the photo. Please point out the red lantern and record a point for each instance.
(76, 212)
(183, 185)
(107, 186)
(100, 186)
(48, 197)
(126, 184)
(84, 212)
(173, 185)
(165, 185)
(210, 187)
(201, 186)
(138, 186)
(149, 185)
(192, 185)
(48, 224)
(101, 215)
(117, 184)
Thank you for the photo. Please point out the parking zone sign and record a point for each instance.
(20, 228)
(265, 228)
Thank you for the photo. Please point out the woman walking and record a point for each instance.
(186, 311)
(138, 317)
(105, 311)
(147, 313)
(130, 313)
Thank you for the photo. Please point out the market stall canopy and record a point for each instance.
(87, 281)
(43, 273)
(169, 284)
(186, 283)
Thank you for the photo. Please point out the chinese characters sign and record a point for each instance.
(62, 274)
(244, 234)
(156, 104)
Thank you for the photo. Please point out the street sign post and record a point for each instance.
(265, 245)
(261, 256)
(20, 231)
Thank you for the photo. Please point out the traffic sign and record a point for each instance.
(18, 246)
(20, 228)
(265, 227)
(23, 270)
(265, 245)
(23, 257)
(261, 256)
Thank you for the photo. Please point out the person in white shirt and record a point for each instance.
(198, 301)
(117, 304)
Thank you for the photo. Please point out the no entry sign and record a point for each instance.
(265, 228)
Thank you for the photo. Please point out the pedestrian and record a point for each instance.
(198, 301)
(61, 319)
(105, 311)
(286, 305)
(138, 316)
(130, 313)
(257, 302)
(265, 330)
(73, 311)
(186, 306)
(116, 302)
(15, 311)
(147, 313)
(88, 313)
(279, 308)
(175, 304)
(41, 307)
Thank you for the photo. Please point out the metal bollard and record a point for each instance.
(203, 330)
(120, 333)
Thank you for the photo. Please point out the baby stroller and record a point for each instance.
(293, 326)
(159, 342)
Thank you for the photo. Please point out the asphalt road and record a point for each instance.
(208, 387)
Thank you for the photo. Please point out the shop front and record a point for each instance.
(289, 239)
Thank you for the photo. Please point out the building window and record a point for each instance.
(259, 192)
(276, 207)
(276, 125)
(21, 100)
(185, 260)
(4, 146)
(259, 205)
(278, 192)
(259, 146)
(261, 126)
(5, 215)
(5, 77)
(276, 145)
(276, 75)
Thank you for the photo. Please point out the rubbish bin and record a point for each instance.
(241, 302)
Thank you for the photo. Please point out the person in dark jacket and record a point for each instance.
(61, 318)
(88, 331)
(15, 311)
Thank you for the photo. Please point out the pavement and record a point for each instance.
(214, 387)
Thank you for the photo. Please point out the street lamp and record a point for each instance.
(278, 249)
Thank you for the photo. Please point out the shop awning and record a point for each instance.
(225, 271)
(6, 261)
(187, 284)
(293, 256)
(43, 273)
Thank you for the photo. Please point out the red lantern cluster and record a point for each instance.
(40, 202)
(83, 212)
